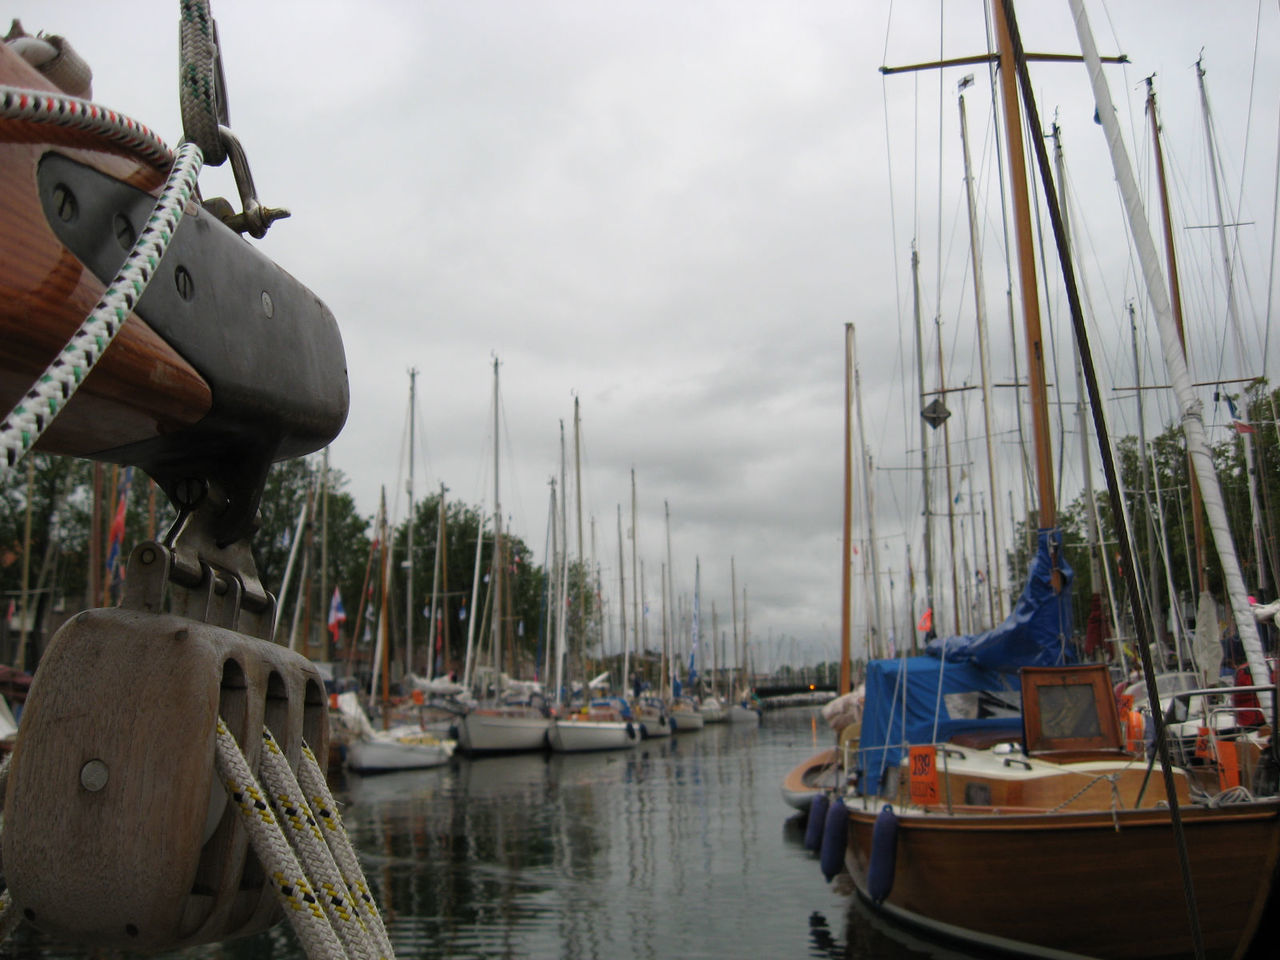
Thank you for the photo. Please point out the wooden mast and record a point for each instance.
(1175, 304)
(1047, 516)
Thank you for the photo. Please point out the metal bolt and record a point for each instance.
(268, 307)
(64, 201)
(93, 776)
(125, 234)
(186, 285)
(147, 556)
(189, 491)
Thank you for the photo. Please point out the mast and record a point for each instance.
(562, 611)
(635, 590)
(495, 623)
(1144, 472)
(733, 595)
(327, 643)
(472, 613)
(1027, 277)
(951, 502)
(622, 606)
(435, 589)
(1233, 315)
(846, 553)
(671, 591)
(980, 308)
(1175, 305)
(924, 435)
(408, 591)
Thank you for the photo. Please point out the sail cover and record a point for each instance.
(1036, 633)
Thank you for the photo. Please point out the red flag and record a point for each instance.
(926, 621)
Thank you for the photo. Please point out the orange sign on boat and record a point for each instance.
(924, 775)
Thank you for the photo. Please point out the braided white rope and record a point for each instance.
(302, 907)
(38, 106)
(197, 84)
(314, 787)
(49, 395)
(304, 835)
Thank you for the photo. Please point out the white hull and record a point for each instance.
(382, 754)
(657, 727)
(481, 732)
(581, 736)
(713, 711)
(740, 714)
(687, 721)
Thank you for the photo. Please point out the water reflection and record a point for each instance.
(681, 847)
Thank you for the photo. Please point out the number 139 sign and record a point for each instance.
(924, 775)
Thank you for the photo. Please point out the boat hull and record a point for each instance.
(809, 778)
(740, 714)
(1088, 884)
(686, 721)
(585, 736)
(388, 756)
(483, 731)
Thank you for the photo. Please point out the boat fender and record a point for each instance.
(835, 838)
(672, 724)
(817, 820)
(884, 854)
(631, 731)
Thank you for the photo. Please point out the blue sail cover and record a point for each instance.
(1036, 634)
(917, 700)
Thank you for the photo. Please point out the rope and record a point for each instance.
(33, 414)
(37, 106)
(328, 923)
(203, 100)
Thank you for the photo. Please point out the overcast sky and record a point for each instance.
(671, 210)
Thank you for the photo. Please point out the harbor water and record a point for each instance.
(679, 848)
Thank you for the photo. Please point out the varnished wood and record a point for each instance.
(156, 857)
(141, 387)
(1088, 883)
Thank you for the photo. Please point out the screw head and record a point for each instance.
(185, 284)
(64, 202)
(268, 307)
(93, 776)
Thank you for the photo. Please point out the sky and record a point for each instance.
(670, 211)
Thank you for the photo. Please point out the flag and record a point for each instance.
(926, 621)
(1240, 424)
(337, 614)
(115, 538)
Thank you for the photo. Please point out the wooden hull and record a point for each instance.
(810, 777)
(1086, 884)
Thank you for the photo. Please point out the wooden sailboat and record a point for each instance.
(1038, 832)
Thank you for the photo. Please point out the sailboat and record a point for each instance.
(824, 771)
(998, 801)
(513, 718)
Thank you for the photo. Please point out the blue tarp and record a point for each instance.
(1036, 634)
(906, 700)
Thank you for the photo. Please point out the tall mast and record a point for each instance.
(846, 550)
(671, 592)
(924, 435)
(1175, 305)
(1144, 472)
(733, 593)
(435, 589)
(562, 611)
(980, 308)
(408, 590)
(1027, 276)
(622, 606)
(496, 573)
(635, 590)
(1233, 314)
(951, 502)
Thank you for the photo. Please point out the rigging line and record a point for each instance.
(1271, 266)
(937, 264)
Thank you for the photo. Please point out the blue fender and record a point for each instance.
(817, 821)
(835, 838)
(884, 855)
